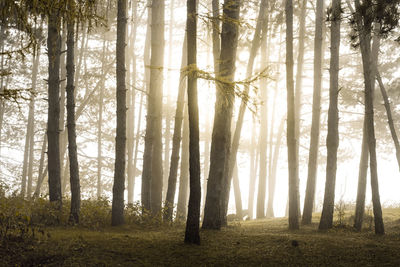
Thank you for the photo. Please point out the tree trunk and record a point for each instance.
(291, 128)
(72, 148)
(53, 154)
(253, 169)
(262, 142)
(365, 46)
(131, 102)
(184, 175)
(152, 166)
(390, 118)
(332, 140)
(193, 218)
(100, 123)
(316, 114)
(120, 140)
(206, 163)
(262, 25)
(32, 111)
(238, 196)
(272, 176)
(167, 137)
(177, 136)
(41, 173)
(221, 137)
(62, 129)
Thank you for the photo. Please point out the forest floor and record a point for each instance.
(253, 243)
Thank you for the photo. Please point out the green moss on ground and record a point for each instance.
(252, 243)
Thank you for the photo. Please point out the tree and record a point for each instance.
(72, 148)
(316, 114)
(332, 140)
(221, 136)
(152, 159)
(291, 139)
(177, 136)
(262, 24)
(193, 218)
(117, 216)
(53, 153)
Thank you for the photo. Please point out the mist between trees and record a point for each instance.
(202, 111)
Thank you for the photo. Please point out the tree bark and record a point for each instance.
(131, 105)
(390, 118)
(184, 174)
(193, 218)
(262, 25)
(291, 128)
(72, 147)
(177, 136)
(167, 137)
(332, 140)
(152, 166)
(316, 114)
(253, 169)
(272, 176)
(263, 137)
(238, 196)
(53, 154)
(117, 215)
(365, 47)
(221, 137)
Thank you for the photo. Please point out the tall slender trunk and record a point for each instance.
(274, 166)
(216, 29)
(291, 121)
(262, 142)
(206, 162)
(53, 153)
(262, 25)
(32, 117)
(272, 179)
(131, 102)
(332, 140)
(167, 137)
(193, 218)
(316, 114)
(238, 196)
(177, 136)
(100, 123)
(62, 129)
(41, 172)
(117, 216)
(181, 208)
(152, 165)
(137, 138)
(253, 169)
(221, 137)
(390, 118)
(365, 47)
(72, 148)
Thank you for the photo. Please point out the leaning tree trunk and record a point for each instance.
(291, 135)
(238, 196)
(221, 137)
(53, 153)
(193, 217)
(332, 140)
(177, 136)
(117, 216)
(390, 118)
(72, 148)
(316, 114)
(365, 47)
(262, 25)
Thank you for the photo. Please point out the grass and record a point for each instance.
(251, 243)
